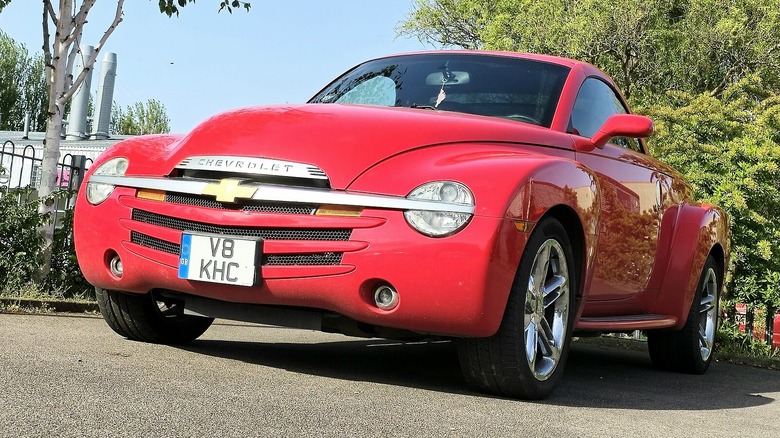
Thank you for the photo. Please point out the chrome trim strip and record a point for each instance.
(266, 192)
(252, 165)
(195, 186)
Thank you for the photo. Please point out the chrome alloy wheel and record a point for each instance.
(546, 309)
(708, 318)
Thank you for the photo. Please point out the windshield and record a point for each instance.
(488, 85)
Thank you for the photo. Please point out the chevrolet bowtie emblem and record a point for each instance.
(228, 189)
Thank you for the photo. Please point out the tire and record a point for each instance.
(516, 361)
(148, 318)
(689, 350)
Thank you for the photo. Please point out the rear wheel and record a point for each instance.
(149, 318)
(526, 357)
(690, 349)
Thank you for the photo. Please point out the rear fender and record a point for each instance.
(699, 229)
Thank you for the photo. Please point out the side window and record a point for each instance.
(595, 103)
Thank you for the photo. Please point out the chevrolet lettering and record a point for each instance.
(236, 164)
(260, 166)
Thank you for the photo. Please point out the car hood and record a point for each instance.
(346, 140)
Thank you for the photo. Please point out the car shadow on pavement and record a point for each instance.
(603, 376)
(598, 376)
(430, 365)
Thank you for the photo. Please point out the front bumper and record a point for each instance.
(456, 285)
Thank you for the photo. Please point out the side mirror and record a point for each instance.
(618, 125)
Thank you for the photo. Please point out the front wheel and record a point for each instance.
(526, 357)
(690, 350)
(149, 318)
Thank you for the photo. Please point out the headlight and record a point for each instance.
(98, 192)
(440, 223)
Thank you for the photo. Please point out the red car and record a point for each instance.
(504, 200)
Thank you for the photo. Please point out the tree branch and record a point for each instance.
(81, 15)
(79, 20)
(89, 62)
(48, 8)
(724, 82)
(48, 12)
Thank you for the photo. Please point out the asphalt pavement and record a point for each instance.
(70, 375)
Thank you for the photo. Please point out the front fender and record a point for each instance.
(518, 184)
(501, 176)
(699, 229)
(146, 154)
(571, 193)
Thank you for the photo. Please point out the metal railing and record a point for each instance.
(20, 168)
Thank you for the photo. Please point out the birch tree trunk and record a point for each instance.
(59, 58)
(57, 69)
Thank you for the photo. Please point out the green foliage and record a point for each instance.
(65, 275)
(140, 118)
(647, 46)
(116, 118)
(22, 86)
(20, 243)
(731, 341)
(729, 149)
(22, 249)
(170, 7)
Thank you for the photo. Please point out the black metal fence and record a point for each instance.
(763, 322)
(20, 168)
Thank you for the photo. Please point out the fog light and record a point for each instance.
(115, 265)
(385, 297)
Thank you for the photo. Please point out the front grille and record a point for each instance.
(154, 243)
(316, 259)
(338, 234)
(321, 259)
(265, 207)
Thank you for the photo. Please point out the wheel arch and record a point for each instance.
(574, 230)
(719, 254)
(701, 230)
(574, 201)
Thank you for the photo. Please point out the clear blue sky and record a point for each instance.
(202, 62)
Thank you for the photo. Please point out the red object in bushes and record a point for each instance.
(757, 333)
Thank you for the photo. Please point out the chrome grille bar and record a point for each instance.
(336, 234)
(267, 192)
(264, 207)
(316, 259)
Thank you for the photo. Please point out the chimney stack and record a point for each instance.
(77, 120)
(105, 97)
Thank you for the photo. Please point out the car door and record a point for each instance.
(632, 190)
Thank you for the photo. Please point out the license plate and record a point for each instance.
(219, 259)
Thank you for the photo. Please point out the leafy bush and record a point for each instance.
(65, 277)
(20, 242)
(21, 249)
(731, 340)
(729, 149)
